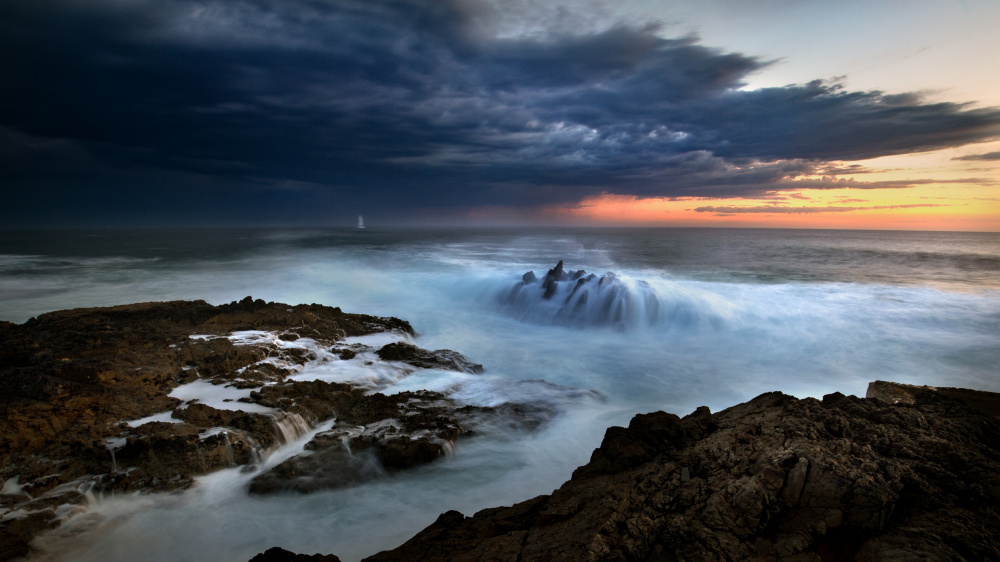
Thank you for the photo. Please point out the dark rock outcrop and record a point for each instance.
(898, 393)
(576, 298)
(776, 478)
(281, 555)
(166, 456)
(374, 434)
(64, 374)
(439, 359)
(69, 378)
(553, 277)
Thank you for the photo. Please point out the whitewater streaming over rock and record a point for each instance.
(590, 326)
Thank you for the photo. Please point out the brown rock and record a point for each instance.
(775, 478)
(69, 378)
(894, 392)
(375, 434)
(439, 359)
(64, 374)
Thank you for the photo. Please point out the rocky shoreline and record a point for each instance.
(908, 473)
(145, 397)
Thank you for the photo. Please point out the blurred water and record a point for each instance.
(737, 313)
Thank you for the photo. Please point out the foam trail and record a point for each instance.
(611, 300)
(289, 427)
(588, 301)
(735, 314)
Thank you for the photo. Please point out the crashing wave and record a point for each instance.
(575, 298)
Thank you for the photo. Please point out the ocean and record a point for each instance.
(682, 318)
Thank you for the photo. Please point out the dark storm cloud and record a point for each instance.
(989, 156)
(255, 109)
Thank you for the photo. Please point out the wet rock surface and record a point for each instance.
(439, 359)
(896, 393)
(375, 435)
(550, 282)
(776, 478)
(576, 298)
(69, 380)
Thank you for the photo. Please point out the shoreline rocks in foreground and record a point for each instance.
(89, 404)
(86, 405)
(910, 473)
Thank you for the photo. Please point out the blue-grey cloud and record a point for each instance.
(989, 156)
(253, 110)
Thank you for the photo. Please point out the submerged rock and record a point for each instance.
(776, 478)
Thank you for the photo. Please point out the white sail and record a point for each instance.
(361, 221)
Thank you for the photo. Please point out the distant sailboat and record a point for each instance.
(361, 221)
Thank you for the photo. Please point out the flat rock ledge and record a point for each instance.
(915, 477)
(69, 381)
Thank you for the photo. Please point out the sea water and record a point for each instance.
(687, 317)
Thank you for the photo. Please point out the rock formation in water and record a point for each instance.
(438, 359)
(574, 298)
(375, 435)
(907, 473)
(777, 478)
(70, 379)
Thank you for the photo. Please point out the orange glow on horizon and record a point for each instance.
(937, 191)
(940, 190)
(846, 209)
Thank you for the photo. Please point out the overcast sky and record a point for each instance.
(310, 112)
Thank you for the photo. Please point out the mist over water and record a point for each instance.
(704, 317)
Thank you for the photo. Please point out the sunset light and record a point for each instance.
(499, 280)
(480, 112)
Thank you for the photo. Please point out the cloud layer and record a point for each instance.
(989, 156)
(775, 209)
(246, 110)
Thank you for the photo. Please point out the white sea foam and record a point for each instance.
(727, 329)
(290, 427)
(211, 432)
(378, 340)
(218, 396)
(375, 376)
(11, 487)
(113, 443)
(166, 417)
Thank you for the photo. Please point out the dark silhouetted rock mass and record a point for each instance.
(281, 555)
(776, 478)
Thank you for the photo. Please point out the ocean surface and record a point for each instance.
(687, 317)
